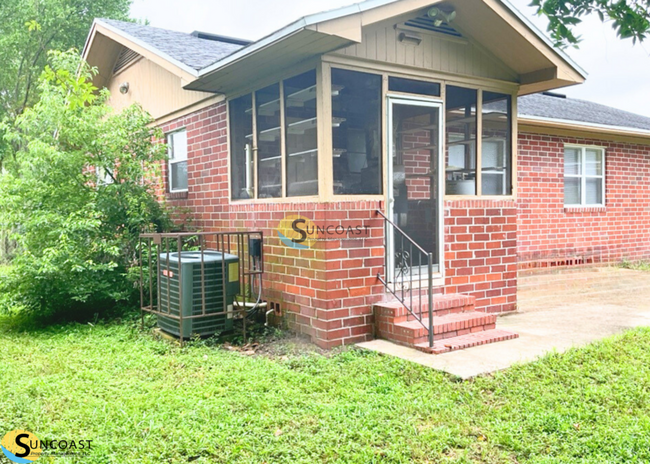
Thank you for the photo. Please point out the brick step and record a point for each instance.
(451, 325)
(442, 306)
(467, 341)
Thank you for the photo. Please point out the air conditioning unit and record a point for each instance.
(215, 264)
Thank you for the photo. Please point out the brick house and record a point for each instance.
(411, 139)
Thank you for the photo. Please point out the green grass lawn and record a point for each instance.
(143, 400)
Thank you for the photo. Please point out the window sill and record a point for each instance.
(179, 195)
(585, 209)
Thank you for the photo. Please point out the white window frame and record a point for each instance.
(583, 176)
(171, 161)
(103, 176)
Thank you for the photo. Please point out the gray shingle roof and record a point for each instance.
(574, 110)
(190, 50)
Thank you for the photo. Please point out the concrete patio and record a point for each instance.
(571, 307)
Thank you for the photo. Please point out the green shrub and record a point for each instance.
(77, 236)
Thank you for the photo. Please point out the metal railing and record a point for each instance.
(156, 250)
(403, 272)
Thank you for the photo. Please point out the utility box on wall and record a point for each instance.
(220, 275)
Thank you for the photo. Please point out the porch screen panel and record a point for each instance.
(269, 154)
(496, 155)
(356, 133)
(301, 135)
(460, 134)
(241, 147)
(399, 84)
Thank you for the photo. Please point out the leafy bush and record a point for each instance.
(77, 235)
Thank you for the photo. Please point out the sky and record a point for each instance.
(618, 71)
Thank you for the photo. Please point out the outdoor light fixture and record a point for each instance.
(409, 37)
(124, 88)
(439, 16)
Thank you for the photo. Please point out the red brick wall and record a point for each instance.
(481, 252)
(549, 234)
(327, 291)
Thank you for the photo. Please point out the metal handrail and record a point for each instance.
(406, 299)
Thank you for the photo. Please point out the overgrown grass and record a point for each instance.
(143, 400)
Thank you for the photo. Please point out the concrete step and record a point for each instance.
(467, 341)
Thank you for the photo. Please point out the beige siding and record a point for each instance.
(435, 52)
(158, 91)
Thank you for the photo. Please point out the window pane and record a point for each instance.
(269, 163)
(356, 113)
(594, 161)
(594, 192)
(241, 144)
(301, 140)
(460, 133)
(179, 176)
(178, 145)
(496, 144)
(398, 84)
(572, 190)
(572, 162)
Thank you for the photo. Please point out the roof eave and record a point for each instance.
(601, 129)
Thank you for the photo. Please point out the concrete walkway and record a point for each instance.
(556, 312)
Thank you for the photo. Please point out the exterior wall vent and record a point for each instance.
(126, 57)
(426, 23)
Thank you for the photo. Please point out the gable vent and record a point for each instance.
(426, 23)
(126, 57)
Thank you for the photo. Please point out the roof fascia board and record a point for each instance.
(584, 126)
(182, 70)
(89, 39)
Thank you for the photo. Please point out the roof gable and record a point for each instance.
(495, 24)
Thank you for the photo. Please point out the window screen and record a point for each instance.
(398, 84)
(241, 147)
(177, 143)
(356, 133)
(301, 134)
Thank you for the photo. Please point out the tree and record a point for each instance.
(78, 236)
(630, 18)
(28, 30)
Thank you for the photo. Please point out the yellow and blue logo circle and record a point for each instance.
(297, 232)
(21, 446)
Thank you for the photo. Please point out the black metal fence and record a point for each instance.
(161, 256)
